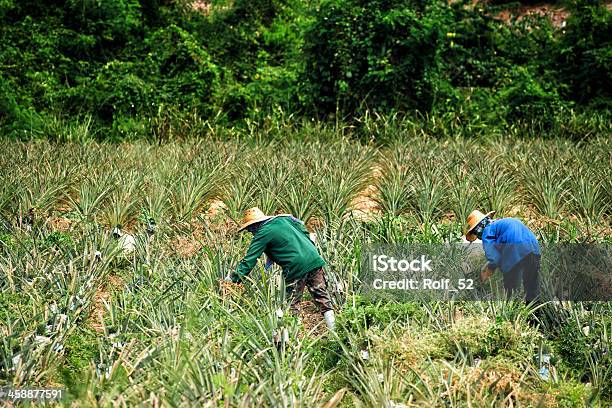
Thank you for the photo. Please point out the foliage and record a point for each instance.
(155, 327)
(524, 99)
(119, 70)
(81, 351)
(375, 54)
(584, 54)
(369, 312)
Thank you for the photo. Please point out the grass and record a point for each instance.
(155, 328)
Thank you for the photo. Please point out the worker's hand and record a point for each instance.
(486, 272)
(228, 278)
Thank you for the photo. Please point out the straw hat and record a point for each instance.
(472, 220)
(252, 216)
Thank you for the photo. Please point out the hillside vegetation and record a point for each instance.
(123, 69)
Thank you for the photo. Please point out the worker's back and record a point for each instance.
(288, 244)
(511, 239)
(511, 231)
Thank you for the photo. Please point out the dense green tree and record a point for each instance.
(131, 61)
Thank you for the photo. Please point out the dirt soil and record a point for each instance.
(60, 224)
(230, 290)
(365, 204)
(187, 246)
(312, 319)
(104, 293)
(215, 208)
(555, 12)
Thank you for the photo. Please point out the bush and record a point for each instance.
(110, 23)
(378, 313)
(118, 90)
(526, 99)
(259, 45)
(572, 394)
(184, 71)
(120, 64)
(81, 350)
(584, 58)
(471, 58)
(482, 337)
(58, 240)
(378, 55)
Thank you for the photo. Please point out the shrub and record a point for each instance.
(526, 99)
(379, 54)
(111, 23)
(186, 75)
(254, 62)
(10, 304)
(58, 240)
(483, 337)
(471, 58)
(584, 58)
(117, 90)
(378, 313)
(572, 394)
(81, 351)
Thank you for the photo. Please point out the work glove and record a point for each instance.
(486, 272)
(228, 278)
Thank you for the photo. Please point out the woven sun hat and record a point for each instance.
(472, 220)
(252, 216)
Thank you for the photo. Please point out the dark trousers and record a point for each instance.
(527, 270)
(317, 286)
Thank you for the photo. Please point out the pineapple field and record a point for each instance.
(140, 138)
(113, 258)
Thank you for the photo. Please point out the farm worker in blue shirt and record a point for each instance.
(510, 246)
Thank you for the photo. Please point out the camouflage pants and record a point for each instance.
(317, 286)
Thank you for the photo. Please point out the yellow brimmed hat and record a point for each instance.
(472, 220)
(252, 216)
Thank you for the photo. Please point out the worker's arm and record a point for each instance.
(256, 248)
(490, 249)
(486, 272)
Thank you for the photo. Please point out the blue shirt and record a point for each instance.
(506, 241)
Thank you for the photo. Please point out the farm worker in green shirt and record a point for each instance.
(286, 242)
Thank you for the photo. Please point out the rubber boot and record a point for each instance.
(330, 319)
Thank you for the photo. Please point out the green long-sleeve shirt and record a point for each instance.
(287, 243)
